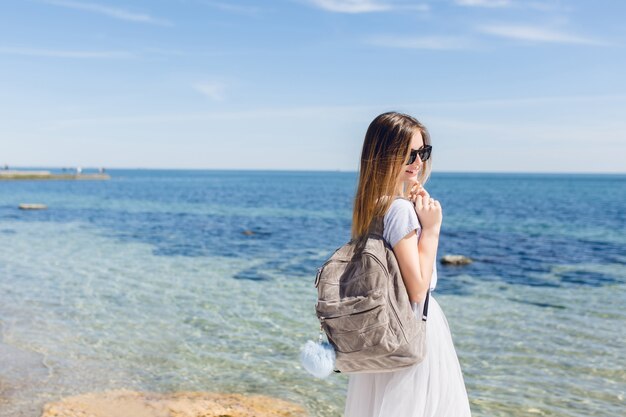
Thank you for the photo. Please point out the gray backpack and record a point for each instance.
(364, 309)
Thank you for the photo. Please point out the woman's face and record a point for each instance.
(410, 171)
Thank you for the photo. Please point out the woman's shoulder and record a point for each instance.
(401, 213)
(400, 206)
(399, 220)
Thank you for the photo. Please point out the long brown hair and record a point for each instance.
(385, 151)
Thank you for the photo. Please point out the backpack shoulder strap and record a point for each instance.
(376, 227)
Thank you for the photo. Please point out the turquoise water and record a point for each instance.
(148, 282)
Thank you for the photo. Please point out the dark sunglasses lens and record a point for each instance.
(412, 157)
(425, 154)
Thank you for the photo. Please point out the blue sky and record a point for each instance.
(503, 85)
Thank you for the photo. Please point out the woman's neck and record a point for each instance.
(400, 189)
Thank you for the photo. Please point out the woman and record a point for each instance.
(394, 162)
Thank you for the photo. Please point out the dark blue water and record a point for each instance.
(517, 227)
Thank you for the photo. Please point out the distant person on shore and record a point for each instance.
(394, 165)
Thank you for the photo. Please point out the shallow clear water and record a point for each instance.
(148, 282)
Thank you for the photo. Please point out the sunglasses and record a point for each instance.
(423, 152)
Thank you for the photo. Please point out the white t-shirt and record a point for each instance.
(399, 221)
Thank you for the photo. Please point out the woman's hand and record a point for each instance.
(428, 209)
(415, 189)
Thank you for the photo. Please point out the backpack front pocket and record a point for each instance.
(355, 323)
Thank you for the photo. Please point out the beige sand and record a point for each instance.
(124, 403)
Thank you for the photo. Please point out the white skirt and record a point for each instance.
(432, 388)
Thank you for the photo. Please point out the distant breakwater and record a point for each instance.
(47, 175)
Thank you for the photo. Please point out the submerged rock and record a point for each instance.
(124, 403)
(249, 232)
(252, 275)
(455, 260)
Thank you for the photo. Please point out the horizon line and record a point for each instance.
(16, 167)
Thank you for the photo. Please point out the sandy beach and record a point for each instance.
(124, 403)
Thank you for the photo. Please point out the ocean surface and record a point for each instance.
(203, 281)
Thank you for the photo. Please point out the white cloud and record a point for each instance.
(164, 51)
(536, 34)
(540, 5)
(212, 90)
(367, 6)
(57, 53)
(351, 6)
(525, 101)
(484, 3)
(305, 112)
(113, 12)
(420, 42)
(235, 8)
(340, 111)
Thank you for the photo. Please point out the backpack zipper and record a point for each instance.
(317, 276)
(388, 297)
(322, 318)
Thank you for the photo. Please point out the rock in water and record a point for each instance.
(455, 260)
(123, 403)
(26, 206)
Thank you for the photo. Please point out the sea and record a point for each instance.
(202, 280)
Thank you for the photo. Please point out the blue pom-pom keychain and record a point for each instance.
(318, 358)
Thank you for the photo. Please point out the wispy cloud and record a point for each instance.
(235, 8)
(537, 34)
(539, 5)
(114, 12)
(164, 51)
(307, 112)
(330, 111)
(58, 53)
(522, 101)
(484, 3)
(420, 42)
(213, 90)
(367, 6)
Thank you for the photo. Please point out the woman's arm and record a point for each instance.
(416, 260)
(416, 266)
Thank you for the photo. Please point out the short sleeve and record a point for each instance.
(399, 221)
